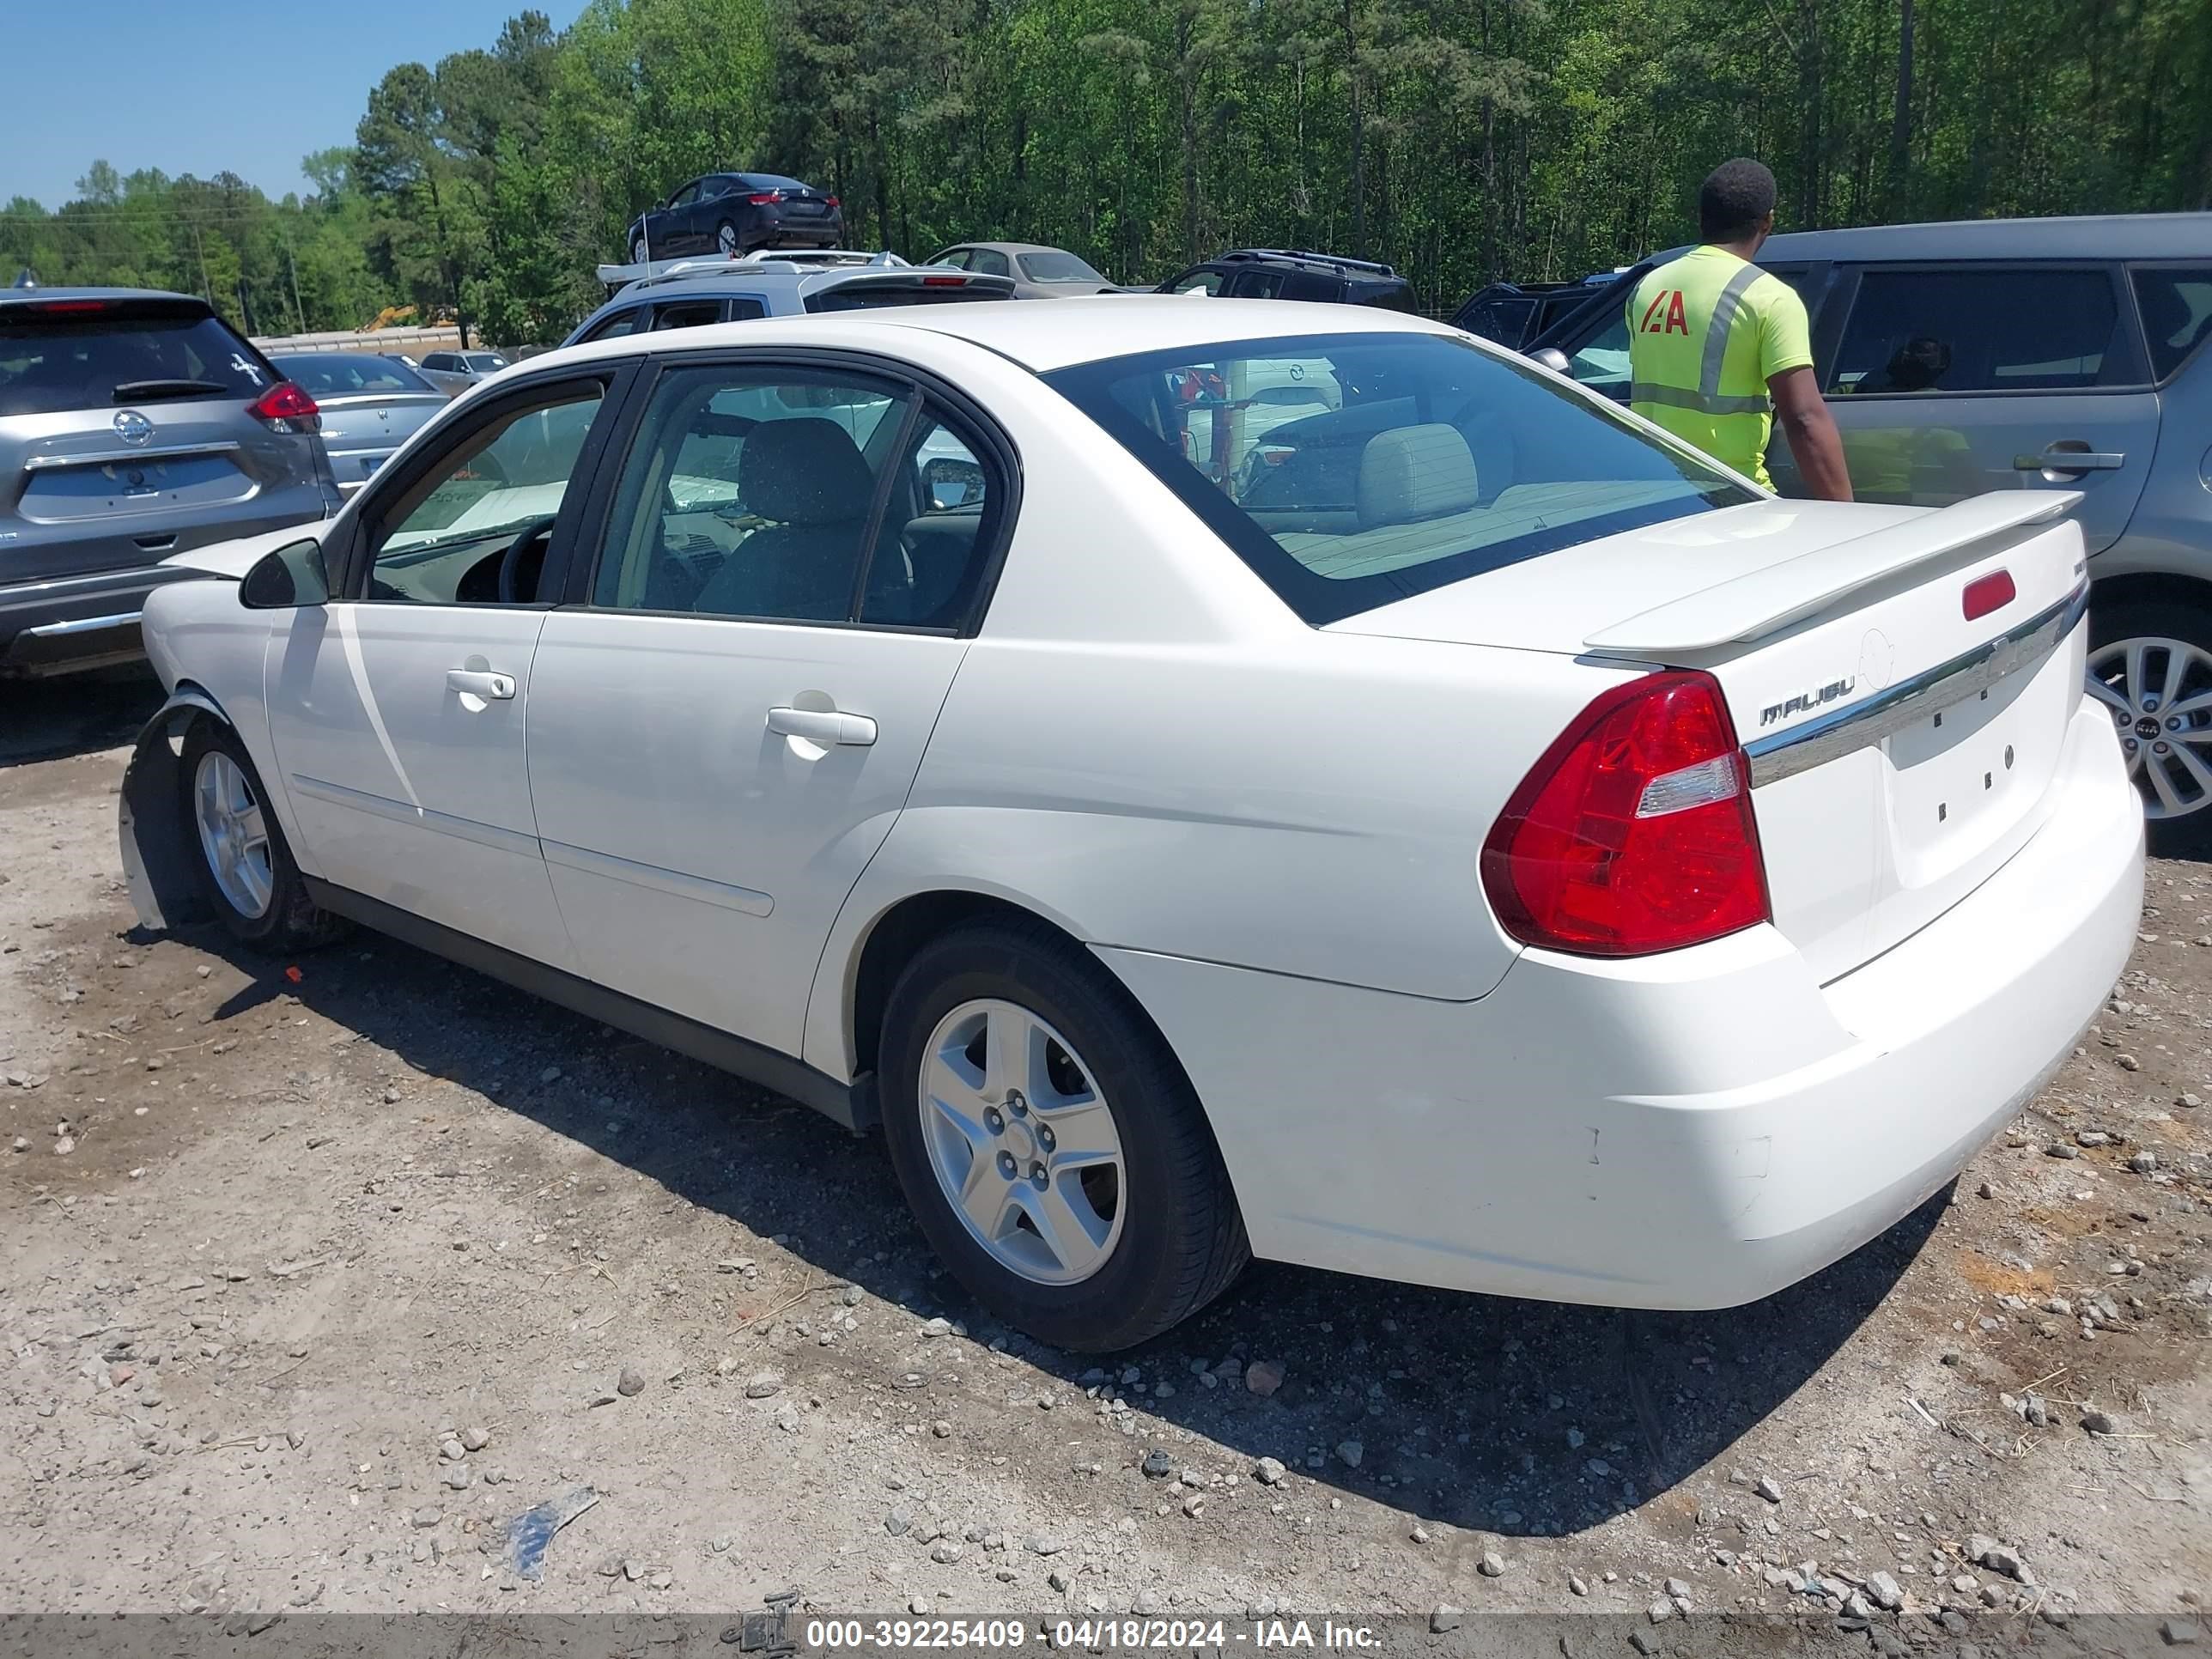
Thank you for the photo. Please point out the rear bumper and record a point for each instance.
(76, 621)
(1693, 1130)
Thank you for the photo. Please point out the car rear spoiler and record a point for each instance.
(1763, 602)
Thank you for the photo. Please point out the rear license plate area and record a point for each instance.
(1961, 777)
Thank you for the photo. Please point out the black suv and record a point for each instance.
(1515, 314)
(1274, 273)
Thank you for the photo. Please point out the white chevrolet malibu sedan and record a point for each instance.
(1207, 781)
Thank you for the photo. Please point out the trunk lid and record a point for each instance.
(1901, 751)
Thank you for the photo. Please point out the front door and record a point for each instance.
(1950, 383)
(396, 711)
(723, 735)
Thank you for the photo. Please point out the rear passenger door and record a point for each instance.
(1955, 380)
(726, 719)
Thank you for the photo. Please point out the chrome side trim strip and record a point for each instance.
(82, 625)
(102, 457)
(399, 812)
(675, 883)
(1863, 723)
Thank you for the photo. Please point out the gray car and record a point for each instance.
(689, 294)
(133, 426)
(455, 372)
(2027, 354)
(370, 406)
(1039, 273)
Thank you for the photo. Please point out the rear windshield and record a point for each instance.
(343, 375)
(53, 361)
(1056, 267)
(1351, 469)
(861, 296)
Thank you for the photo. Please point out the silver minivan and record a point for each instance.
(2027, 354)
(133, 426)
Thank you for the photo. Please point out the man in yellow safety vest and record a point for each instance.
(1718, 348)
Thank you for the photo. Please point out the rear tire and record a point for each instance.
(1159, 1234)
(726, 241)
(246, 870)
(2167, 644)
(637, 251)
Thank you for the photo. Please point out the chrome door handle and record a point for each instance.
(476, 683)
(2069, 460)
(826, 726)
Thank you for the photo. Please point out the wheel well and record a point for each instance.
(2151, 588)
(897, 935)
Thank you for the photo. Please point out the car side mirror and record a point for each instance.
(951, 482)
(1552, 358)
(286, 579)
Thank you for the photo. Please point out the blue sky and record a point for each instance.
(197, 86)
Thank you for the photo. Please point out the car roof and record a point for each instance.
(1039, 335)
(2098, 236)
(1014, 247)
(45, 295)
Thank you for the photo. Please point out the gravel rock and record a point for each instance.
(1677, 1589)
(1768, 1488)
(1577, 1585)
(1445, 1617)
(2099, 1422)
(944, 1552)
(938, 1327)
(2059, 1149)
(1264, 1376)
(631, 1382)
(427, 1517)
(1156, 1464)
(761, 1384)
(1269, 1472)
(459, 1476)
(2092, 1138)
(2144, 1161)
(1492, 1564)
(1997, 1558)
(2178, 1633)
(1045, 1543)
(898, 1521)
(1885, 1592)
(1351, 1452)
(475, 1439)
(1660, 1611)
(451, 1449)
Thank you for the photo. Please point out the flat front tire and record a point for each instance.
(1049, 1144)
(244, 869)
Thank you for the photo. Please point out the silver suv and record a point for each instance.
(133, 426)
(2027, 354)
(687, 293)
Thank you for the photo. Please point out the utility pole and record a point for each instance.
(207, 288)
(299, 314)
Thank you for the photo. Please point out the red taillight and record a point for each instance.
(1986, 593)
(1634, 832)
(764, 197)
(286, 409)
(830, 201)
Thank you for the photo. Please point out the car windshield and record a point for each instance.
(346, 375)
(1351, 469)
(104, 356)
(486, 363)
(1056, 267)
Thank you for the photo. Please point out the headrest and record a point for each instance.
(804, 470)
(1414, 472)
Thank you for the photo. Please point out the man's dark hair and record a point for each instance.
(1735, 195)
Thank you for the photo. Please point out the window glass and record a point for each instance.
(1600, 362)
(1351, 470)
(956, 258)
(621, 322)
(942, 517)
(989, 261)
(1255, 284)
(102, 359)
(2176, 314)
(686, 196)
(348, 375)
(1961, 330)
(1306, 285)
(753, 496)
(1198, 282)
(443, 540)
(688, 313)
(1057, 267)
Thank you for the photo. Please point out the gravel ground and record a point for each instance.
(310, 1283)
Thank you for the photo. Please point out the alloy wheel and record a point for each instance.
(1023, 1144)
(2159, 692)
(234, 834)
(725, 238)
